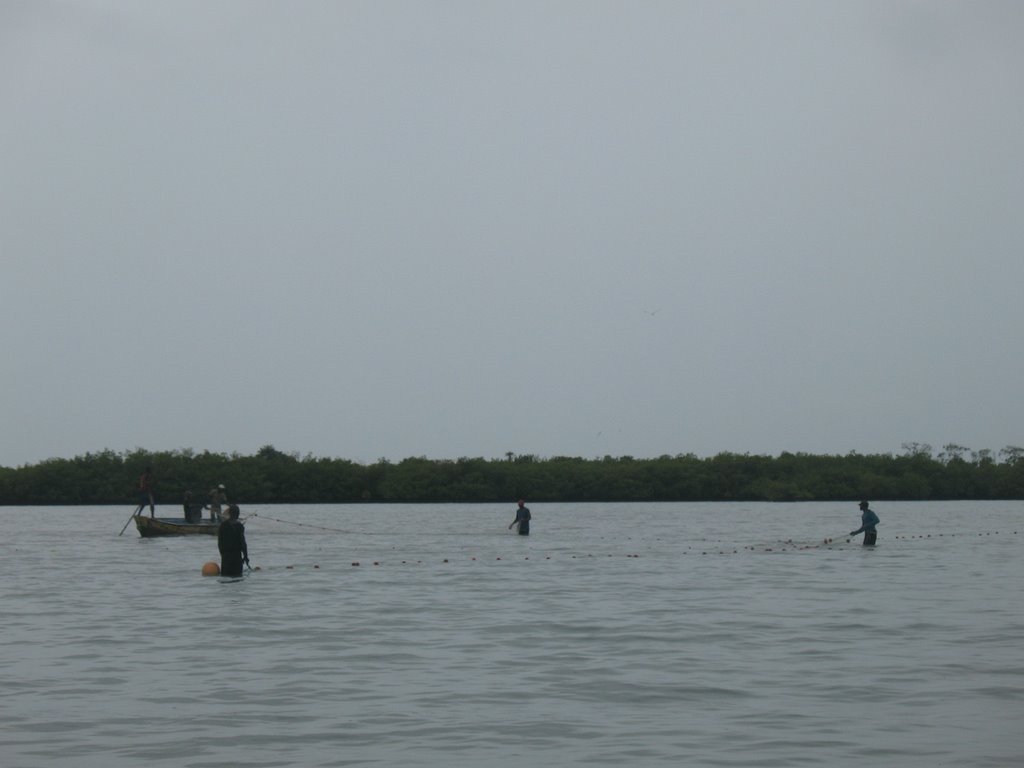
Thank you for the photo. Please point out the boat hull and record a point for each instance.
(173, 526)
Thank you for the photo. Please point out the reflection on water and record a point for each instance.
(646, 634)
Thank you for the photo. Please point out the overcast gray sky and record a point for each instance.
(443, 229)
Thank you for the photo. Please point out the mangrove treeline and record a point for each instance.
(271, 476)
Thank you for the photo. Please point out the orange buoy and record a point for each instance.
(211, 569)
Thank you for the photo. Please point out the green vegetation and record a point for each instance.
(271, 476)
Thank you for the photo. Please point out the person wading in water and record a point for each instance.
(234, 552)
(868, 521)
(522, 519)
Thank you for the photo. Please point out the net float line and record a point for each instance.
(788, 545)
(360, 533)
(302, 525)
(379, 563)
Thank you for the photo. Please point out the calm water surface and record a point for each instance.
(645, 634)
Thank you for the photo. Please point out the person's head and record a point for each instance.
(220, 487)
(863, 505)
(522, 503)
(233, 511)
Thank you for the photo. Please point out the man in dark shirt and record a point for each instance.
(231, 543)
(522, 519)
(191, 509)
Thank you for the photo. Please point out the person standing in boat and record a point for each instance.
(868, 521)
(218, 497)
(522, 519)
(193, 511)
(146, 492)
(234, 552)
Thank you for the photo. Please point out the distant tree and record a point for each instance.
(1011, 454)
(271, 476)
(917, 449)
(952, 452)
(270, 452)
(984, 456)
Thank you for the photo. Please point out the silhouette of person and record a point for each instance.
(234, 551)
(146, 492)
(868, 521)
(522, 519)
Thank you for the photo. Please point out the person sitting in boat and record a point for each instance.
(218, 496)
(234, 552)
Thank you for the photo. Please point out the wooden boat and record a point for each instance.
(173, 526)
